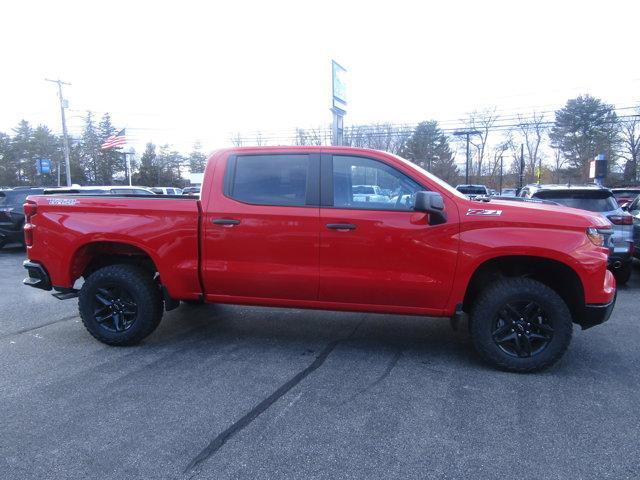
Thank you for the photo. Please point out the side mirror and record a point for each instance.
(431, 203)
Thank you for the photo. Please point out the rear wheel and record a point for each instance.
(520, 325)
(120, 304)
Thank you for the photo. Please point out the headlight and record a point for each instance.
(595, 236)
(600, 236)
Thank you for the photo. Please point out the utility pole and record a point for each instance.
(65, 136)
(467, 133)
(521, 181)
(500, 188)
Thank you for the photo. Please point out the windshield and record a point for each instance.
(626, 193)
(438, 181)
(592, 201)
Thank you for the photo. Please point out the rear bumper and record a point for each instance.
(38, 276)
(596, 314)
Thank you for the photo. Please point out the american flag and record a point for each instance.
(117, 140)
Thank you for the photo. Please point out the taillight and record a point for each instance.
(624, 219)
(30, 210)
(28, 234)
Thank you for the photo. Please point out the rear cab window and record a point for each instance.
(275, 179)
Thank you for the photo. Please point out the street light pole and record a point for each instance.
(467, 133)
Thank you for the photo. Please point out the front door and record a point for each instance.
(374, 249)
(261, 229)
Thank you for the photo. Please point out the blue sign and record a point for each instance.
(43, 166)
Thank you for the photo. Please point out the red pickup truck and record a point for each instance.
(287, 227)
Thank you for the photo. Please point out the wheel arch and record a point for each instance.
(555, 274)
(97, 254)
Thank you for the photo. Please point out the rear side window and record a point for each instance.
(591, 201)
(279, 180)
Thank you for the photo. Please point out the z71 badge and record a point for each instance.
(62, 201)
(484, 212)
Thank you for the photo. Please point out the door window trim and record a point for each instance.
(312, 197)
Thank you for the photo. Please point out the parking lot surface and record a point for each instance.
(231, 392)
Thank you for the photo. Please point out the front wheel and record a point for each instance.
(520, 325)
(120, 304)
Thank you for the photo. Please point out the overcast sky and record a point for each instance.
(176, 72)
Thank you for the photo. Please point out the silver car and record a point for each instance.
(595, 199)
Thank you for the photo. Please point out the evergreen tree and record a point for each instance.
(46, 145)
(429, 148)
(584, 128)
(197, 159)
(23, 157)
(7, 167)
(89, 153)
(110, 161)
(148, 172)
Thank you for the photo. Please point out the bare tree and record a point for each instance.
(533, 129)
(630, 143)
(482, 121)
(380, 136)
(559, 162)
(237, 140)
(310, 136)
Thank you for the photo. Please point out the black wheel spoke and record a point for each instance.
(512, 312)
(531, 311)
(537, 336)
(526, 345)
(114, 309)
(103, 318)
(500, 332)
(117, 322)
(544, 327)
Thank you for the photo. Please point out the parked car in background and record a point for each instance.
(191, 191)
(625, 195)
(634, 210)
(472, 191)
(166, 190)
(101, 190)
(509, 192)
(12, 214)
(369, 193)
(595, 199)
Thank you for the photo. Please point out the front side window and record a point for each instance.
(279, 180)
(363, 183)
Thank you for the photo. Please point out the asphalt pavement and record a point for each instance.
(230, 392)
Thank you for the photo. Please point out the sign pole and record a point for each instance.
(339, 102)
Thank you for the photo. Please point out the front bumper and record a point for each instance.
(38, 276)
(596, 314)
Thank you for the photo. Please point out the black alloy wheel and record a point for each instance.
(114, 309)
(522, 329)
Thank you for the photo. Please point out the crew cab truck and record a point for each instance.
(282, 227)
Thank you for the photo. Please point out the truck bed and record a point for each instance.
(163, 227)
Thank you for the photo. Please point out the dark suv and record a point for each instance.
(595, 199)
(12, 214)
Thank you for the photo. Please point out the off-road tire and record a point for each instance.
(139, 286)
(492, 300)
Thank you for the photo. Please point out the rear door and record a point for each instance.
(379, 252)
(261, 233)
